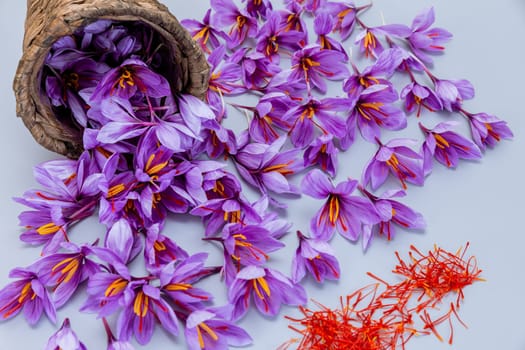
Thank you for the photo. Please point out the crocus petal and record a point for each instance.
(120, 239)
(424, 19)
(316, 184)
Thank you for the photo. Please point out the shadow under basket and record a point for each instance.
(49, 20)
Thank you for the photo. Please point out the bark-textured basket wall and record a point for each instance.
(48, 20)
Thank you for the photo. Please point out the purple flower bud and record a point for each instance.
(65, 338)
(315, 256)
(447, 146)
(397, 158)
(488, 130)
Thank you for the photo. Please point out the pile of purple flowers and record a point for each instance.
(151, 152)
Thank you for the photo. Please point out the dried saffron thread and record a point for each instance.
(370, 319)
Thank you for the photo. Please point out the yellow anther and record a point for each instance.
(199, 337)
(173, 287)
(441, 142)
(48, 229)
(115, 190)
(333, 209)
(126, 77)
(159, 246)
(25, 291)
(115, 287)
(155, 169)
(208, 330)
(280, 168)
(140, 307)
(241, 21)
(218, 187)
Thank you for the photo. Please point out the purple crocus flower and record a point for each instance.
(397, 158)
(376, 74)
(116, 190)
(122, 238)
(324, 24)
(242, 24)
(372, 111)
(270, 220)
(154, 171)
(292, 19)
(122, 124)
(106, 292)
(268, 117)
(311, 66)
(114, 42)
(269, 289)
(102, 152)
(174, 129)
(63, 90)
(424, 39)
(312, 114)
(160, 250)
(64, 272)
(27, 294)
(64, 53)
(217, 212)
(44, 226)
(188, 123)
(65, 339)
(487, 130)
(177, 279)
(258, 7)
(447, 146)
(256, 69)
(190, 177)
(341, 212)
(224, 80)
(345, 15)
(393, 213)
(246, 245)
(67, 183)
(130, 77)
(207, 330)
(272, 37)
(217, 140)
(452, 93)
(143, 307)
(322, 153)
(315, 256)
(203, 32)
(369, 43)
(368, 39)
(280, 83)
(220, 184)
(70, 195)
(417, 96)
(267, 166)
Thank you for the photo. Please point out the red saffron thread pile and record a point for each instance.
(383, 316)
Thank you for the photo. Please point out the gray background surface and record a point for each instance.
(480, 202)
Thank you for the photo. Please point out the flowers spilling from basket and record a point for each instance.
(152, 153)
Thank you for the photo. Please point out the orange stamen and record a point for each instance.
(48, 229)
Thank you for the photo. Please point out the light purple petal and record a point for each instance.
(316, 184)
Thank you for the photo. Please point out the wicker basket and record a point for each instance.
(48, 20)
